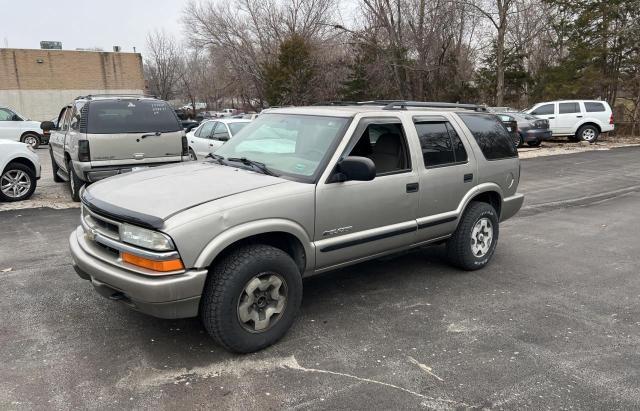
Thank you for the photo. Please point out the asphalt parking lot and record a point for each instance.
(553, 322)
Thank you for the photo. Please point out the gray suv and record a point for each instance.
(99, 136)
(298, 192)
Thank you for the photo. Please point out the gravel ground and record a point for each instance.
(561, 145)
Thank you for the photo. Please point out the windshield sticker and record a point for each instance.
(300, 167)
(131, 105)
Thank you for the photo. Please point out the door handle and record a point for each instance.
(468, 178)
(413, 187)
(579, 116)
(551, 118)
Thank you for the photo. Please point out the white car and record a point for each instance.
(19, 170)
(16, 127)
(577, 119)
(211, 134)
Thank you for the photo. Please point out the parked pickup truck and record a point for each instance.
(299, 192)
(99, 136)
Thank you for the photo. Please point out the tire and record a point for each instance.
(535, 143)
(460, 247)
(521, 142)
(192, 155)
(32, 139)
(75, 183)
(588, 133)
(226, 291)
(55, 168)
(17, 182)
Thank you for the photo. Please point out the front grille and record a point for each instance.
(102, 225)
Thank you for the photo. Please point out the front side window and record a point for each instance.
(6, 115)
(440, 144)
(567, 108)
(131, 116)
(543, 110)
(291, 145)
(221, 133)
(206, 130)
(594, 107)
(385, 144)
(491, 135)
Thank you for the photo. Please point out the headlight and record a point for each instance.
(144, 238)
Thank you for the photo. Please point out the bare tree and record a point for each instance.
(163, 64)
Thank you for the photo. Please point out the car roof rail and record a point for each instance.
(403, 105)
(115, 95)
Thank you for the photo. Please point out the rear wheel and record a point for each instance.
(473, 243)
(192, 155)
(251, 298)
(17, 182)
(520, 141)
(588, 133)
(32, 139)
(75, 183)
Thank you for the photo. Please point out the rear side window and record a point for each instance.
(131, 116)
(440, 144)
(566, 108)
(491, 135)
(543, 110)
(594, 107)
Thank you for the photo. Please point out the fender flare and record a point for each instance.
(245, 230)
(479, 189)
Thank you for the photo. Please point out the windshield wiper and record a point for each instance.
(256, 164)
(216, 157)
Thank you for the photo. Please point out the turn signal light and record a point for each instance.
(160, 266)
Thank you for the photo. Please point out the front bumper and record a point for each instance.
(173, 296)
(537, 135)
(511, 205)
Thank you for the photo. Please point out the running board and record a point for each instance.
(63, 175)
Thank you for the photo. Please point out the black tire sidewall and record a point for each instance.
(74, 181)
(459, 245)
(535, 143)
(249, 262)
(32, 177)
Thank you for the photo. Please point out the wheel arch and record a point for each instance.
(489, 193)
(589, 123)
(35, 133)
(283, 234)
(22, 160)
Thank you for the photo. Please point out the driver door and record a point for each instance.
(359, 219)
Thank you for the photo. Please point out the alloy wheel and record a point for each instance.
(31, 140)
(262, 302)
(481, 237)
(15, 183)
(588, 134)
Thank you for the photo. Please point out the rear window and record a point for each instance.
(594, 107)
(491, 135)
(131, 116)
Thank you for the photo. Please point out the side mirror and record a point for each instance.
(47, 125)
(16, 118)
(356, 169)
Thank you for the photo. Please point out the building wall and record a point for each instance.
(37, 83)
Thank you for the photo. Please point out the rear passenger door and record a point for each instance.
(357, 219)
(56, 141)
(569, 115)
(201, 139)
(448, 170)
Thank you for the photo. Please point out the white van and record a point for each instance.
(578, 119)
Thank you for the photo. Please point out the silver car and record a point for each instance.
(100, 136)
(300, 191)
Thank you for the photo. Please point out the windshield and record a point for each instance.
(131, 116)
(235, 127)
(288, 144)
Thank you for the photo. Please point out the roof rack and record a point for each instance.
(90, 96)
(402, 105)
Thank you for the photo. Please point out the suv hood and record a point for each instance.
(150, 197)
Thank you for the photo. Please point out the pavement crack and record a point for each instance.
(424, 368)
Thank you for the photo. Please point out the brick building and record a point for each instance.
(37, 83)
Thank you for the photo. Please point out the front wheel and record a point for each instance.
(17, 182)
(473, 243)
(251, 298)
(534, 143)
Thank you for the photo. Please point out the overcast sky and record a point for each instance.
(86, 23)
